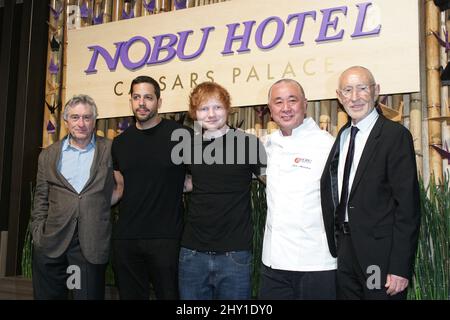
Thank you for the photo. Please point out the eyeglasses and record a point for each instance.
(76, 117)
(360, 89)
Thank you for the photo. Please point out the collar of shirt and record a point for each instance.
(307, 125)
(67, 145)
(365, 126)
(75, 164)
(367, 123)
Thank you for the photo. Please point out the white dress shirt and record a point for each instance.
(365, 126)
(294, 237)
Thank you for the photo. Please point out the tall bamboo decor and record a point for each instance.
(342, 118)
(445, 111)
(415, 127)
(53, 98)
(325, 115)
(432, 24)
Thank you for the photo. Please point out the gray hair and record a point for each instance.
(80, 99)
(302, 92)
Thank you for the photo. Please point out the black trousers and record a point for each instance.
(139, 262)
(297, 285)
(352, 281)
(51, 275)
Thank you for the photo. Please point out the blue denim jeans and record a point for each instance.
(210, 275)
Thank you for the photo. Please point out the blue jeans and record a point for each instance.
(211, 275)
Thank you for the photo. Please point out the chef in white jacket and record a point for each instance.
(296, 261)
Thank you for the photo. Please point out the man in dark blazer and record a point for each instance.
(370, 196)
(70, 221)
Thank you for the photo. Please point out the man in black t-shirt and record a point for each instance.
(147, 234)
(216, 247)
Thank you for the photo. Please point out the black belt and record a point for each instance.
(344, 228)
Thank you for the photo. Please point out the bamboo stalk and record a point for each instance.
(53, 79)
(406, 110)
(433, 85)
(388, 99)
(127, 8)
(107, 10)
(173, 7)
(241, 115)
(117, 7)
(137, 8)
(252, 117)
(144, 11)
(98, 9)
(445, 98)
(334, 109)
(317, 111)
(415, 120)
(47, 138)
(101, 127)
(90, 7)
(248, 120)
(163, 5)
(311, 110)
(396, 101)
(258, 129)
(342, 118)
(62, 127)
(325, 115)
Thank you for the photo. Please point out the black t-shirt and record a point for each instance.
(219, 209)
(151, 206)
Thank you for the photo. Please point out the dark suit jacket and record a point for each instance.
(58, 207)
(383, 205)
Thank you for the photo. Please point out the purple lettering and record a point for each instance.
(110, 61)
(124, 57)
(297, 39)
(158, 47)
(231, 37)
(262, 27)
(360, 22)
(183, 39)
(326, 23)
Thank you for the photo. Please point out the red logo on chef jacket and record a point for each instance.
(302, 163)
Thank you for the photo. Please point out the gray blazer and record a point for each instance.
(58, 207)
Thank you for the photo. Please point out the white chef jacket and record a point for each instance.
(294, 237)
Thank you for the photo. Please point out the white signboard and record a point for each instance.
(246, 45)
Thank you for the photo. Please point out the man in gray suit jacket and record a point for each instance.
(70, 221)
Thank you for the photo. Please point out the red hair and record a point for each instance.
(205, 91)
